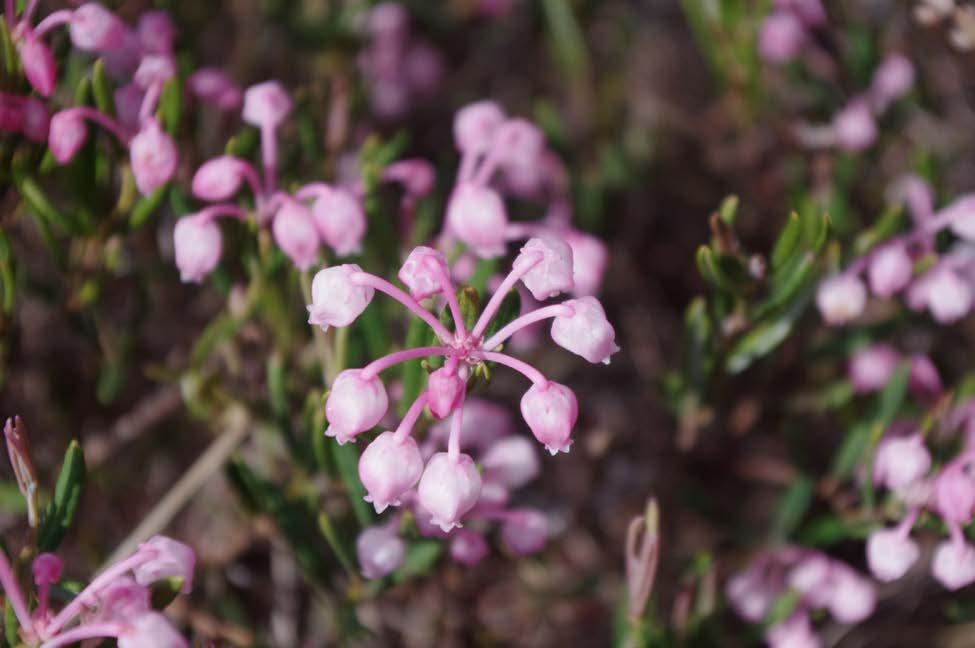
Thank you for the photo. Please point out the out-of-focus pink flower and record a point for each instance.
(156, 32)
(66, 135)
(550, 275)
(151, 630)
(852, 598)
(794, 632)
(46, 569)
(467, 547)
(924, 381)
(483, 424)
(942, 292)
(154, 70)
(841, 299)
(336, 300)
(476, 215)
(551, 411)
(388, 468)
(750, 595)
(96, 29)
(154, 157)
(11, 112)
(890, 554)
(810, 12)
(871, 367)
(39, 67)
(854, 128)
(781, 37)
(380, 552)
(524, 532)
(475, 126)
(586, 331)
(954, 493)
(122, 600)
(954, 564)
(449, 488)
(590, 257)
(961, 214)
(892, 80)
(340, 220)
(128, 102)
(218, 178)
(165, 558)
(295, 233)
(423, 69)
(890, 270)
(214, 86)
(266, 104)
(37, 119)
(901, 461)
(512, 461)
(197, 244)
(355, 404)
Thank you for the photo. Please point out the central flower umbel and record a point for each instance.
(449, 483)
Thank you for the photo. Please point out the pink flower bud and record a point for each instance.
(854, 127)
(750, 595)
(336, 301)
(355, 404)
(295, 233)
(37, 120)
(11, 112)
(449, 488)
(852, 598)
(954, 493)
(475, 126)
(167, 558)
(924, 381)
(46, 569)
(953, 564)
(946, 295)
(890, 554)
(550, 275)
(154, 157)
(215, 87)
(890, 270)
(96, 29)
(586, 332)
(781, 37)
(519, 142)
(445, 389)
(841, 299)
(380, 551)
(550, 411)
(66, 135)
(128, 103)
(511, 461)
(961, 215)
(794, 632)
(871, 368)
(892, 80)
(468, 547)
(901, 461)
(151, 630)
(156, 32)
(155, 69)
(388, 468)
(218, 178)
(121, 63)
(524, 532)
(589, 260)
(422, 270)
(197, 245)
(39, 67)
(266, 104)
(476, 215)
(340, 220)
(122, 600)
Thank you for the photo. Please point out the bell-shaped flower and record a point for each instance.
(197, 245)
(794, 632)
(511, 461)
(781, 37)
(852, 598)
(154, 70)
(36, 119)
(46, 569)
(854, 127)
(750, 595)
(38, 62)
(96, 29)
(355, 404)
(890, 554)
(901, 461)
(380, 551)
(166, 558)
(949, 297)
(468, 547)
(954, 493)
(266, 104)
(961, 215)
(475, 126)
(340, 220)
(218, 178)
(890, 270)
(841, 299)
(336, 300)
(122, 600)
(520, 143)
(589, 261)
(872, 367)
(449, 488)
(476, 215)
(66, 135)
(550, 411)
(151, 630)
(953, 564)
(422, 271)
(524, 531)
(295, 233)
(551, 266)
(586, 331)
(154, 157)
(388, 468)
(445, 391)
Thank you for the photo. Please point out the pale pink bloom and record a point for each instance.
(154, 70)
(953, 564)
(197, 244)
(355, 404)
(891, 80)
(475, 126)
(901, 461)
(871, 367)
(38, 62)
(449, 488)
(476, 215)
(151, 630)
(482, 425)
(890, 270)
(954, 493)
(553, 273)
(214, 86)
(389, 467)
(156, 32)
(511, 461)
(551, 411)
(423, 272)
(947, 296)
(781, 37)
(122, 600)
(340, 220)
(750, 594)
(794, 632)
(586, 331)
(266, 104)
(96, 29)
(467, 547)
(590, 257)
(890, 554)
(128, 103)
(418, 177)
(854, 128)
(388, 21)
(961, 214)
(924, 378)
(295, 233)
(380, 551)
(66, 135)
(167, 558)
(336, 301)
(524, 531)
(852, 597)
(519, 142)
(37, 119)
(841, 299)
(154, 157)
(218, 178)
(445, 391)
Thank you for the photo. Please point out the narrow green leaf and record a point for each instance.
(10, 625)
(412, 371)
(38, 202)
(171, 105)
(60, 512)
(146, 206)
(791, 508)
(336, 542)
(10, 59)
(509, 309)
(787, 242)
(101, 88)
(567, 39)
(757, 343)
(347, 460)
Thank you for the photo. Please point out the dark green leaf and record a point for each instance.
(337, 543)
(421, 556)
(347, 461)
(171, 105)
(102, 89)
(787, 242)
(146, 206)
(758, 343)
(59, 515)
(165, 592)
(792, 508)
(412, 371)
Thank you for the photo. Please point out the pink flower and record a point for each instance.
(890, 270)
(750, 595)
(422, 272)
(37, 120)
(166, 558)
(550, 411)
(949, 298)
(841, 299)
(380, 552)
(890, 554)
(524, 532)
(484, 423)
(961, 216)
(476, 215)
(151, 630)
(38, 65)
(266, 104)
(156, 32)
(388, 468)
(553, 273)
(901, 461)
(198, 245)
(467, 547)
(121, 600)
(781, 37)
(475, 126)
(871, 368)
(218, 178)
(445, 390)
(340, 220)
(586, 331)
(155, 70)
(924, 378)
(854, 127)
(295, 233)
(520, 143)
(954, 564)
(66, 135)
(449, 488)
(154, 157)
(852, 597)
(511, 461)
(336, 300)
(589, 260)
(892, 80)
(96, 29)
(355, 404)
(954, 493)
(794, 632)
(128, 103)
(213, 86)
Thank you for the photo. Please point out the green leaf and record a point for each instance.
(165, 592)
(758, 343)
(244, 143)
(483, 271)
(337, 543)
(101, 87)
(171, 105)
(10, 624)
(347, 461)
(146, 206)
(509, 309)
(792, 508)
(8, 286)
(38, 203)
(728, 209)
(847, 457)
(831, 529)
(421, 556)
(58, 517)
(567, 39)
(10, 59)
(787, 242)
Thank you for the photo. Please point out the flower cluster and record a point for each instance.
(820, 583)
(508, 462)
(449, 483)
(944, 287)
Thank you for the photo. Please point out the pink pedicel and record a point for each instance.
(355, 404)
(380, 551)
(550, 410)
(388, 468)
(336, 299)
(449, 488)
(154, 157)
(197, 244)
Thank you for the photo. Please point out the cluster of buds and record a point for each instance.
(116, 604)
(401, 69)
(448, 483)
(820, 583)
(508, 462)
(871, 368)
(940, 284)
